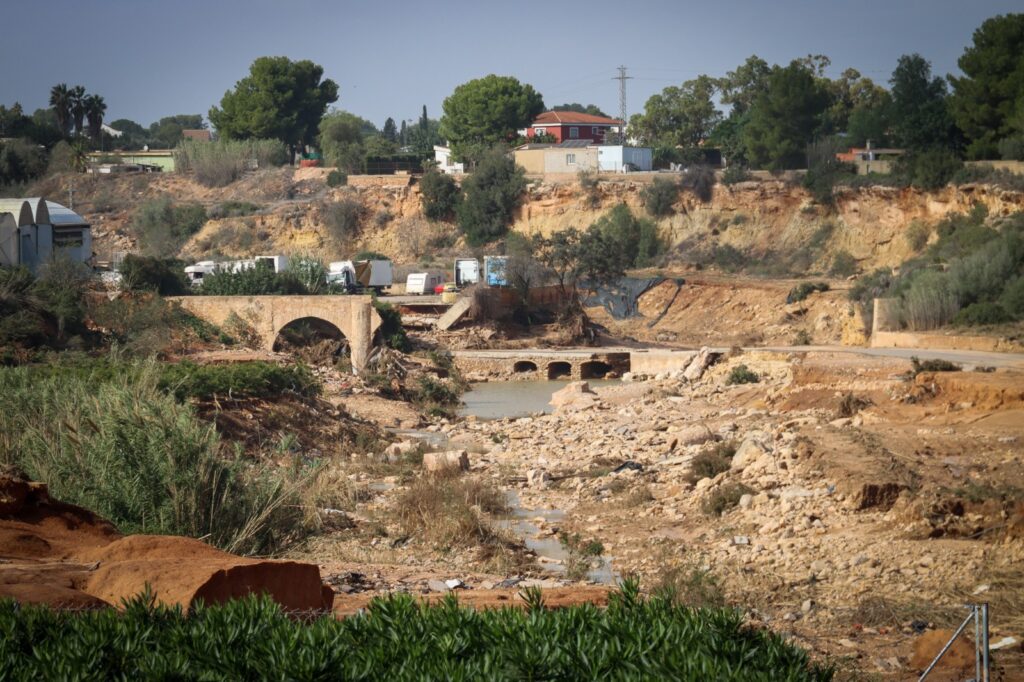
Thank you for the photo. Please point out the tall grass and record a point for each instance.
(116, 443)
(220, 163)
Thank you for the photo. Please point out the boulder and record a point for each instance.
(446, 461)
(701, 361)
(749, 452)
(538, 478)
(577, 395)
(694, 435)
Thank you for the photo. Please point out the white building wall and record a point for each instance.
(613, 158)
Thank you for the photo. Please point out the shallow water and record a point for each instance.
(497, 399)
(519, 521)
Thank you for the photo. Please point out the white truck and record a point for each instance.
(467, 271)
(361, 274)
(196, 272)
(420, 283)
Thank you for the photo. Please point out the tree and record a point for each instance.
(870, 122)
(487, 111)
(491, 194)
(784, 118)
(591, 109)
(95, 107)
(77, 101)
(439, 195)
(168, 131)
(680, 116)
(279, 99)
(133, 135)
(390, 131)
(920, 115)
(988, 100)
(20, 161)
(852, 92)
(403, 134)
(424, 135)
(341, 140)
(60, 100)
(741, 87)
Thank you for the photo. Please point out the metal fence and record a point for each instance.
(978, 614)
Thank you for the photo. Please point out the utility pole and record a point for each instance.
(71, 195)
(622, 78)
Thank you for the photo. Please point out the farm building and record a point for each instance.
(572, 125)
(34, 232)
(582, 155)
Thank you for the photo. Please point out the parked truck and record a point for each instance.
(494, 271)
(467, 272)
(361, 274)
(196, 272)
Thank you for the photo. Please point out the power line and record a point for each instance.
(622, 78)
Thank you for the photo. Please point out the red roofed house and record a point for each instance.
(571, 125)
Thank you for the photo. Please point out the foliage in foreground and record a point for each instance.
(107, 437)
(397, 638)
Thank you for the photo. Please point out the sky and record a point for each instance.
(151, 58)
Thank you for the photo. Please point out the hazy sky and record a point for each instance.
(151, 58)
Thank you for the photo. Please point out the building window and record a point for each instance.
(594, 130)
(540, 131)
(570, 159)
(574, 133)
(67, 239)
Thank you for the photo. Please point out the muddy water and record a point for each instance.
(497, 399)
(551, 555)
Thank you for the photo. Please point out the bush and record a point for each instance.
(436, 397)
(260, 280)
(735, 174)
(803, 338)
(443, 511)
(978, 314)
(728, 258)
(1012, 299)
(929, 170)
(659, 197)
(398, 637)
(236, 380)
(917, 366)
(43, 310)
(917, 235)
(929, 303)
(439, 195)
(391, 329)
(724, 498)
(165, 276)
(162, 228)
(219, 163)
(343, 220)
(634, 240)
(20, 161)
(583, 555)
(233, 209)
(805, 289)
(590, 182)
(741, 374)
(843, 264)
(337, 178)
(122, 447)
(1012, 148)
(850, 404)
(491, 195)
(711, 463)
(986, 175)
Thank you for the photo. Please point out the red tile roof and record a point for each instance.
(549, 118)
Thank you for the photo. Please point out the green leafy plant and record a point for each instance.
(740, 374)
(723, 498)
(660, 196)
(583, 555)
(805, 289)
(936, 365)
(337, 178)
(712, 462)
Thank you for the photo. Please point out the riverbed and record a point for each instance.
(498, 399)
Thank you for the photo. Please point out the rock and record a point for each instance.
(704, 359)
(454, 584)
(746, 501)
(537, 478)
(437, 586)
(694, 435)
(740, 540)
(746, 454)
(445, 461)
(1004, 643)
(577, 395)
(807, 605)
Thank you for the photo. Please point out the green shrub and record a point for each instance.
(370, 255)
(660, 196)
(126, 449)
(634, 240)
(805, 289)
(741, 374)
(724, 498)
(978, 314)
(931, 169)
(435, 396)
(929, 302)
(165, 276)
(917, 235)
(1012, 299)
(711, 463)
(43, 310)
(582, 555)
(260, 280)
(590, 182)
(236, 380)
(439, 195)
(162, 228)
(735, 174)
(219, 163)
(398, 637)
(1012, 148)
(802, 338)
(337, 178)
(843, 264)
(728, 258)
(491, 195)
(391, 329)
(986, 175)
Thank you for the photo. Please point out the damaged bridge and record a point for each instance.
(534, 363)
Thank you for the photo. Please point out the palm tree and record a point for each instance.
(95, 107)
(78, 107)
(60, 100)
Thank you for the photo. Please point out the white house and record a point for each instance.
(616, 158)
(35, 231)
(443, 157)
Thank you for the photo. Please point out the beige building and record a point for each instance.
(567, 157)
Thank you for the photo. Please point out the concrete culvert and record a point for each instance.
(594, 369)
(309, 331)
(524, 366)
(559, 370)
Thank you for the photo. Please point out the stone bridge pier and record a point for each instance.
(353, 316)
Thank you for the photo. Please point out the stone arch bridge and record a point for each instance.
(353, 316)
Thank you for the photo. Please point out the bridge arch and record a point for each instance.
(522, 366)
(304, 331)
(595, 369)
(559, 370)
